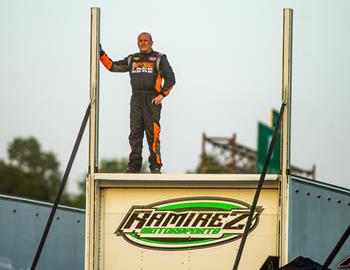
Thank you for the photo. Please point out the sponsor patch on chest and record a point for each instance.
(142, 67)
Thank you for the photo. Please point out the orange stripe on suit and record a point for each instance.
(106, 61)
(155, 146)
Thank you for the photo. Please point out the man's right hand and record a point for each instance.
(101, 50)
(157, 100)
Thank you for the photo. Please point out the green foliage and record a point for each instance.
(30, 171)
(79, 200)
(209, 164)
(33, 173)
(114, 165)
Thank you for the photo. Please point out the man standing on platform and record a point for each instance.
(151, 78)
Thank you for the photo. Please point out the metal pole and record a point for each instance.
(90, 234)
(94, 89)
(285, 131)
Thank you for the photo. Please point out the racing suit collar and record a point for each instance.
(147, 53)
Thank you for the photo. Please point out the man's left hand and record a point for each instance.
(157, 100)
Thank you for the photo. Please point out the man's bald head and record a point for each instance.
(145, 33)
(145, 42)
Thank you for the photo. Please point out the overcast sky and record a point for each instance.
(227, 57)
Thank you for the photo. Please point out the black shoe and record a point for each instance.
(156, 171)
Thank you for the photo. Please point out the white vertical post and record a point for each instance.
(94, 88)
(285, 131)
(90, 234)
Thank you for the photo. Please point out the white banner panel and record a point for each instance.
(181, 228)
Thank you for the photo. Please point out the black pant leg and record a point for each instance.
(136, 133)
(151, 117)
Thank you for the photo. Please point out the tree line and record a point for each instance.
(31, 172)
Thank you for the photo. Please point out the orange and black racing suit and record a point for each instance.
(150, 75)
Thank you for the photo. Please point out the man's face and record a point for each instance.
(145, 43)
